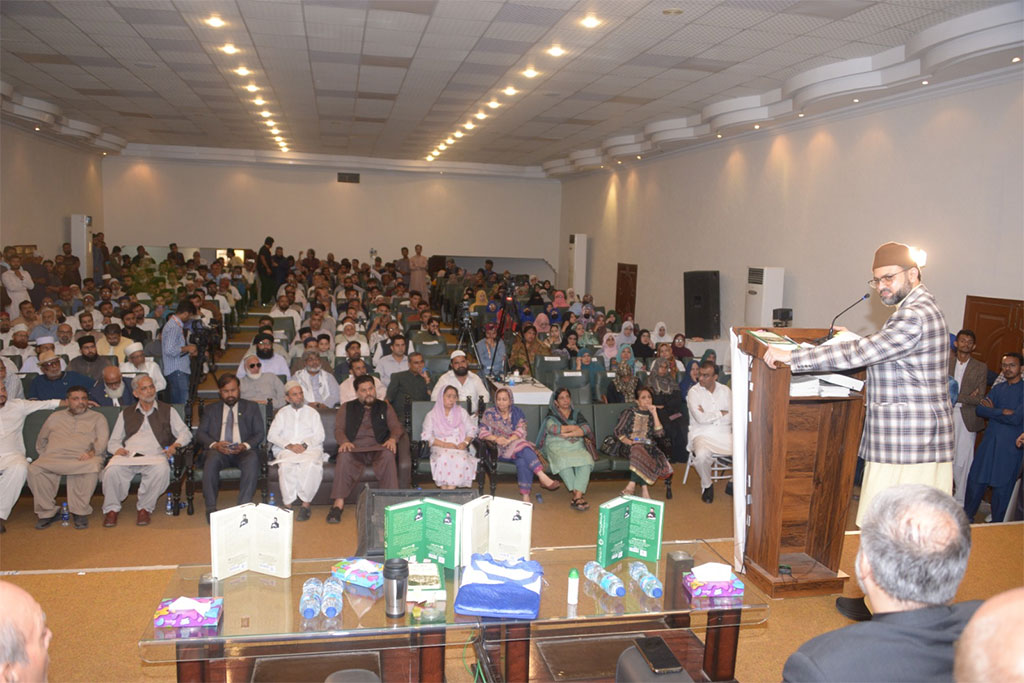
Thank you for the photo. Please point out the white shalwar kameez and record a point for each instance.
(299, 474)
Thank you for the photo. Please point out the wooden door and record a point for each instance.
(998, 324)
(625, 289)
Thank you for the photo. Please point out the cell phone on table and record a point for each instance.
(657, 654)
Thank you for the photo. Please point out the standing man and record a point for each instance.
(971, 376)
(908, 427)
(265, 270)
(13, 464)
(997, 463)
(709, 404)
(177, 354)
(70, 444)
(297, 438)
(230, 433)
(17, 282)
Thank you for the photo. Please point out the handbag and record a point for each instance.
(499, 588)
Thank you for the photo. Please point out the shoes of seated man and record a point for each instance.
(142, 519)
(303, 514)
(708, 494)
(110, 519)
(81, 521)
(45, 522)
(3, 527)
(334, 515)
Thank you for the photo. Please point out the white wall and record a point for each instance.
(43, 182)
(944, 174)
(158, 201)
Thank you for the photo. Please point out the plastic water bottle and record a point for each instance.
(312, 594)
(64, 516)
(647, 581)
(610, 584)
(331, 602)
(169, 508)
(271, 501)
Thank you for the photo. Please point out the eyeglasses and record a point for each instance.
(885, 279)
(255, 365)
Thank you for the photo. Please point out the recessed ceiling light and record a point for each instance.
(37, 128)
(480, 115)
(279, 139)
(510, 91)
(442, 147)
(274, 131)
(270, 124)
(282, 144)
(458, 134)
(719, 135)
(436, 151)
(104, 154)
(229, 49)
(284, 149)
(556, 51)
(800, 115)
(450, 141)
(429, 157)
(215, 21)
(469, 125)
(242, 71)
(855, 100)
(494, 104)
(924, 82)
(1015, 60)
(672, 11)
(265, 114)
(531, 72)
(591, 21)
(619, 161)
(252, 88)
(259, 101)
(639, 157)
(757, 126)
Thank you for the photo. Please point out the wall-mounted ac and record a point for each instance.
(764, 295)
(579, 246)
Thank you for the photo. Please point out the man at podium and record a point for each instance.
(908, 424)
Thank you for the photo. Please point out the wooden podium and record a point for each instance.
(801, 458)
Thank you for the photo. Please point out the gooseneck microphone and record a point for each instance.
(832, 327)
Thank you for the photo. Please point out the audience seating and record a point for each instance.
(545, 367)
(286, 324)
(577, 382)
(420, 449)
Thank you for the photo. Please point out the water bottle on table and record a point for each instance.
(647, 581)
(609, 583)
(312, 596)
(331, 602)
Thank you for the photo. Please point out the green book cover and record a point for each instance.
(423, 529)
(629, 526)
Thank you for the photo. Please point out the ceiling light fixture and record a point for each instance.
(494, 104)
(469, 125)
(619, 161)
(429, 157)
(259, 101)
(591, 21)
(252, 88)
(284, 149)
(37, 128)
(556, 51)
(855, 100)
(1015, 60)
(442, 147)
(458, 134)
(531, 72)
(270, 124)
(510, 91)
(229, 49)
(672, 11)
(719, 136)
(450, 141)
(265, 114)
(480, 115)
(436, 152)
(242, 71)
(215, 21)
(274, 131)
(104, 154)
(639, 157)
(757, 126)
(800, 115)
(924, 82)
(279, 139)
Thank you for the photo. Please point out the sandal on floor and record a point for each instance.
(580, 504)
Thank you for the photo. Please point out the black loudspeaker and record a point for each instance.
(370, 512)
(703, 316)
(435, 263)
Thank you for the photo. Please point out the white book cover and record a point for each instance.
(251, 537)
(502, 527)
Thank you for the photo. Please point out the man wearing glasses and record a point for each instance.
(256, 385)
(908, 426)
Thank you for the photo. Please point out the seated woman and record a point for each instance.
(571, 344)
(660, 334)
(668, 399)
(625, 335)
(592, 370)
(449, 430)
(504, 425)
(567, 441)
(612, 322)
(525, 350)
(543, 324)
(480, 301)
(636, 430)
(665, 351)
(599, 328)
(585, 335)
(643, 349)
(609, 352)
(623, 387)
(679, 349)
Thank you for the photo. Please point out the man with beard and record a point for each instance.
(112, 343)
(296, 438)
(908, 426)
(368, 433)
(468, 384)
(53, 382)
(90, 363)
(283, 309)
(430, 341)
(9, 378)
(5, 328)
(71, 444)
(19, 343)
(66, 344)
(347, 389)
(17, 282)
(112, 390)
(342, 367)
(408, 386)
(258, 386)
(13, 464)
(230, 434)
(86, 324)
(43, 344)
(272, 363)
(145, 435)
(130, 329)
(136, 363)
(319, 386)
(176, 353)
(47, 325)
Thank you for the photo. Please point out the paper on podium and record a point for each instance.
(251, 537)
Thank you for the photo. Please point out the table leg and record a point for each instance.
(517, 653)
(431, 653)
(720, 644)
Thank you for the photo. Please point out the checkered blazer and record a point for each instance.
(909, 419)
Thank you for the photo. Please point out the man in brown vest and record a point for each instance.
(144, 437)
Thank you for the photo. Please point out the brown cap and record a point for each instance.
(46, 357)
(893, 254)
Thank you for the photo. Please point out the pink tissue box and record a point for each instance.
(712, 589)
(367, 574)
(164, 617)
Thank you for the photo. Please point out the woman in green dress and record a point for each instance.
(567, 442)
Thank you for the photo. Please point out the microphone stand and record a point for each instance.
(832, 327)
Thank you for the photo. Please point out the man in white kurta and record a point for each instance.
(136, 363)
(710, 406)
(468, 384)
(296, 440)
(13, 464)
(17, 282)
(320, 387)
(143, 449)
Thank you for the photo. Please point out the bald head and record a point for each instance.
(24, 637)
(985, 651)
(111, 376)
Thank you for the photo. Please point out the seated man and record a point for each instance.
(914, 544)
(341, 365)
(982, 652)
(66, 344)
(19, 345)
(297, 361)
(230, 435)
(112, 343)
(319, 386)
(145, 435)
(347, 389)
(430, 342)
(46, 327)
(259, 386)
(43, 344)
(130, 329)
(296, 438)
(136, 363)
(468, 384)
(394, 361)
(9, 378)
(283, 309)
(710, 406)
(272, 363)
(52, 382)
(368, 433)
(113, 389)
(347, 333)
(408, 386)
(13, 464)
(70, 444)
(89, 363)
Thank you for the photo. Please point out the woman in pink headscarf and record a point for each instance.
(542, 323)
(559, 300)
(450, 430)
(609, 350)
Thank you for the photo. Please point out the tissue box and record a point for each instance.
(164, 616)
(360, 571)
(695, 588)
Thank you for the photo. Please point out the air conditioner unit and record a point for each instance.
(579, 246)
(764, 295)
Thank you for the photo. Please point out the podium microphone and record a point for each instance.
(832, 327)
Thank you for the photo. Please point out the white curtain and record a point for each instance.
(741, 363)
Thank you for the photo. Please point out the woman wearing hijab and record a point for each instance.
(449, 430)
(626, 336)
(643, 350)
(504, 425)
(570, 345)
(679, 349)
(688, 377)
(623, 387)
(543, 323)
(668, 399)
(609, 351)
(585, 337)
(525, 350)
(612, 322)
(554, 315)
(575, 305)
(558, 301)
(567, 441)
(660, 334)
(592, 369)
(636, 430)
(569, 321)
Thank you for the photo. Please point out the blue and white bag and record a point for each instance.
(499, 588)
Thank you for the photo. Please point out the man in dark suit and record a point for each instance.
(914, 544)
(408, 386)
(230, 434)
(113, 389)
(971, 376)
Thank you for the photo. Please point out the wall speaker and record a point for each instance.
(703, 317)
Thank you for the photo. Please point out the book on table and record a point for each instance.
(426, 582)
(629, 526)
(251, 537)
(502, 527)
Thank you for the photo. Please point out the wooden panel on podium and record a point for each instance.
(801, 457)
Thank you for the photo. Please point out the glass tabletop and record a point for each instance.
(260, 609)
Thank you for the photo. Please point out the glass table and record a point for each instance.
(261, 621)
